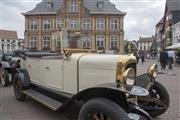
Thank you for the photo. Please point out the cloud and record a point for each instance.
(141, 18)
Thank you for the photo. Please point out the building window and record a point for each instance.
(86, 44)
(73, 24)
(140, 47)
(33, 41)
(58, 42)
(114, 24)
(144, 47)
(60, 24)
(46, 42)
(47, 24)
(114, 42)
(86, 25)
(100, 24)
(2, 40)
(8, 47)
(100, 5)
(34, 25)
(100, 41)
(74, 6)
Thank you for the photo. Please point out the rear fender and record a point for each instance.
(5, 65)
(23, 74)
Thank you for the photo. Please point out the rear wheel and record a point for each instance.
(18, 88)
(102, 109)
(4, 77)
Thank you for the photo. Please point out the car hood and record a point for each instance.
(102, 61)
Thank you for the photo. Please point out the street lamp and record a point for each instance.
(61, 39)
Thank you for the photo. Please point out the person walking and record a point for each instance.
(142, 58)
(171, 58)
(163, 59)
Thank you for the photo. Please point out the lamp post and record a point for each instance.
(61, 39)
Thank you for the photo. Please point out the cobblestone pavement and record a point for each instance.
(10, 109)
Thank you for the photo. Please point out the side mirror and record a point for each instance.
(153, 70)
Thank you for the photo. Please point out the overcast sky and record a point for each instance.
(141, 18)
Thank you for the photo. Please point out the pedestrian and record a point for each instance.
(163, 59)
(171, 58)
(142, 58)
(137, 56)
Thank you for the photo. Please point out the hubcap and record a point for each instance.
(98, 116)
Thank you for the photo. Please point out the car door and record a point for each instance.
(51, 73)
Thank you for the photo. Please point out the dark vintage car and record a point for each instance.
(8, 63)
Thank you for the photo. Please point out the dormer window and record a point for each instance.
(49, 4)
(100, 5)
(74, 6)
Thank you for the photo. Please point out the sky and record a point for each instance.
(140, 20)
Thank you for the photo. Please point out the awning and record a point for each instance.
(175, 46)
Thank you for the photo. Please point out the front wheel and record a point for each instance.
(4, 77)
(102, 109)
(158, 93)
(18, 87)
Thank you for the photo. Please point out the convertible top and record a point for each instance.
(37, 54)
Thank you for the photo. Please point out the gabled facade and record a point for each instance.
(145, 43)
(171, 17)
(86, 24)
(8, 41)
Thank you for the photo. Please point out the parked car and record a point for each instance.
(106, 84)
(8, 63)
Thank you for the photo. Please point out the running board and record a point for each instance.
(43, 99)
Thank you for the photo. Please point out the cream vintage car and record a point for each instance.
(106, 84)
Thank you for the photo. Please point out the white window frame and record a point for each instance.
(46, 41)
(33, 25)
(33, 42)
(73, 24)
(48, 23)
(100, 24)
(100, 4)
(100, 40)
(58, 42)
(114, 41)
(86, 25)
(74, 6)
(114, 24)
(60, 23)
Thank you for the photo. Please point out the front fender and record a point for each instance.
(5, 65)
(145, 81)
(109, 91)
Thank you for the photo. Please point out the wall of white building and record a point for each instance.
(8, 45)
(146, 46)
(176, 33)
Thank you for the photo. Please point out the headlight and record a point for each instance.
(153, 70)
(129, 76)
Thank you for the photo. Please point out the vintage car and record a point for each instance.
(8, 63)
(106, 84)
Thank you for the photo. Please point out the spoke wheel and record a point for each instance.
(98, 116)
(160, 93)
(102, 109)
(18, 88)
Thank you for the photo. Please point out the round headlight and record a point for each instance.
(153, 70)
(129, 76)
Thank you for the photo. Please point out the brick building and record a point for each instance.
(89, 24)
